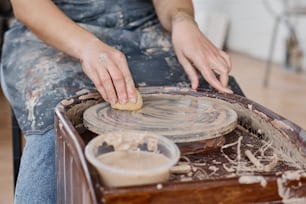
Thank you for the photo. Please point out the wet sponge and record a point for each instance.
(130, 106)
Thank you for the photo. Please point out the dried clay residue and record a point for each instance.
(289, 185)
(245, 155)
(253, 179)
(281, 125)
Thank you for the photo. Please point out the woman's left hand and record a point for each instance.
(196, 53)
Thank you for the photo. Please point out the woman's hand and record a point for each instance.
(196, 53)
(107, 68)
(104, 65)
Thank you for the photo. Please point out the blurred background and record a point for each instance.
(247, 27)
(267, 43)
(266, 40)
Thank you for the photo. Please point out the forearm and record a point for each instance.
(169, 11)
(51, 25)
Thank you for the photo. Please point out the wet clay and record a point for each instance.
(180, 118)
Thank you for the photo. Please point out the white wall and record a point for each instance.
(250, 25)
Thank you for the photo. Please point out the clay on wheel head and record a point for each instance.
(130, 106)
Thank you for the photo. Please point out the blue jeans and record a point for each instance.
(36, 181)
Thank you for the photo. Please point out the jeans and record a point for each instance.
(36, 181)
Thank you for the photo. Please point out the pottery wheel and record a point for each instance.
(178, 117)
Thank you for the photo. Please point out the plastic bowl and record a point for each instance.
(132, 158)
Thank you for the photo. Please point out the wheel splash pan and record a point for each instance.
(262, 160)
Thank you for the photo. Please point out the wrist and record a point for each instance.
(182, 15)
(82, 47)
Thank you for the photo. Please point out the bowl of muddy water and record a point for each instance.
(126, 158)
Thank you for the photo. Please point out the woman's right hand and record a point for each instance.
(108, 69)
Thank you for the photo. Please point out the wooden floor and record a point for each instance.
(285, 95)
(6, 160)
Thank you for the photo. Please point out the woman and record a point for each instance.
(59, 47)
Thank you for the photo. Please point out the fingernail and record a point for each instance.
(131, 96)
(133, 100)
(230, 91)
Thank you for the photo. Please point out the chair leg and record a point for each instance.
(17, 146)
(271, 52)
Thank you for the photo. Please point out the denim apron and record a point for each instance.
(36, 77)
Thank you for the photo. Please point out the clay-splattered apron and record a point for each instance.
(35, 76)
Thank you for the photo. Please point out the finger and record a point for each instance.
(101, 90)
(95, 79)
(131, 90)
(118, 81)
(107, 83)
(93, 76)
(220, 64)
(224, 79)
(227, 59)
(190, 71)
(220, 67)
(210, 77)
(129, 82)
(213, 81)
(222, 73)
